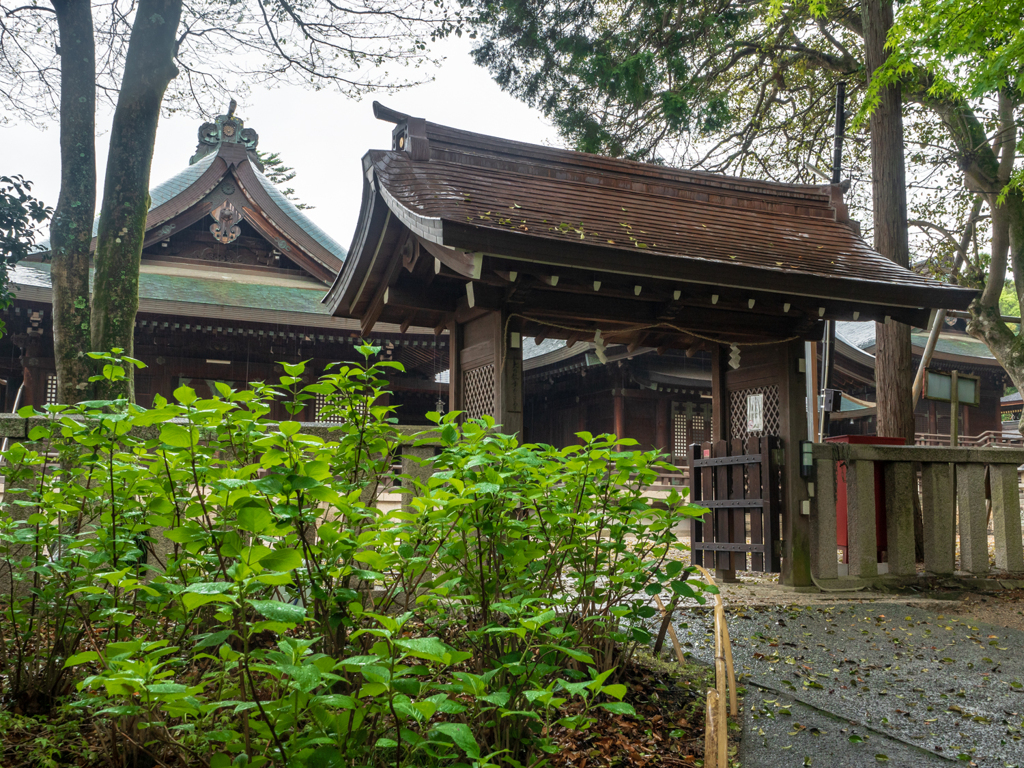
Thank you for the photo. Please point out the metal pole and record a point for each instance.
(926, 356)
(954, 411)
(837, 152)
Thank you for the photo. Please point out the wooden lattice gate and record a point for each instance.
(739, 484)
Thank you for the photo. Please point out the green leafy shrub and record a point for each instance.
(229, 589)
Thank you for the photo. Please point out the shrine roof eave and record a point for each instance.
(384, 223)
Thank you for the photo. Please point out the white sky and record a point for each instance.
(322, 135)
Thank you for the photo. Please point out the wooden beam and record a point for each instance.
(465, 263)
(481, 296)
(637, 341)
(433, 301)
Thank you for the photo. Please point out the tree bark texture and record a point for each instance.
(894, 373)
(149, 68)
(71, 228)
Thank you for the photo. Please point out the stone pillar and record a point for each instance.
(939, 506)
(860, 519)
(416, 465)
(1006, 517)
(900, 490)
(824, 558)
(796, 519)
(970, 495)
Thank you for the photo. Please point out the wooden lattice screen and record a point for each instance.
(738, 412)
(739, 484)
(478, 391)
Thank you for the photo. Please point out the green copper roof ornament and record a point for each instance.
(226, 129)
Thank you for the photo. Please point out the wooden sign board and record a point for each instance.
(938, 385)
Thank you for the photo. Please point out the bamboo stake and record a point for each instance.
(726, 644)
(734, 707)
(711, 730)
(672, 635)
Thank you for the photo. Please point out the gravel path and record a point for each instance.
(857, 682)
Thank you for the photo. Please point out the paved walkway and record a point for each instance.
(849, 681)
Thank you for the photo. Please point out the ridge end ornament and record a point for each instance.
(227, 218)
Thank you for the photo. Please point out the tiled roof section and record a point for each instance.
(532, 349)
(288, 295)
(862, 336)
(175, 185)
(1014, 398)
(296, 215)
(955, 344)
(662, 217)
(859, 335)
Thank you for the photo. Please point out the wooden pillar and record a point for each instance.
(508, 378)
(33, 379)
(796, 519)
(719, 395)
(662, 420)
(454, 366)
(619, 413)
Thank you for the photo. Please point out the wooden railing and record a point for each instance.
(953, 498)
(985, 439)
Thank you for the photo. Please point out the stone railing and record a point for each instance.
(956, 486)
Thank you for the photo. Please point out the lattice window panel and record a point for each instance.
(478, 391)
(321, 404)
(51, 389)
(699, 430)
(738, 412)
(680, 440)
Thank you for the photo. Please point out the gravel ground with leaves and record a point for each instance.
(872, 682)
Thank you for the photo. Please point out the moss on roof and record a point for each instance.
(212, 290)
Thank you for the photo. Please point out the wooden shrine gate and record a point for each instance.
(739, 484)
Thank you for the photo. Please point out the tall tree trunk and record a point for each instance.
(71, 230)
(894, 374)
(149, 67)
(1007, 222)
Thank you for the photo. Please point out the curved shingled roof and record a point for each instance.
(186, 189)
(286, 205)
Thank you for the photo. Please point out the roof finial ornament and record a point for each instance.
(227, 129)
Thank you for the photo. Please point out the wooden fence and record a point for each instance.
(959, 488)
